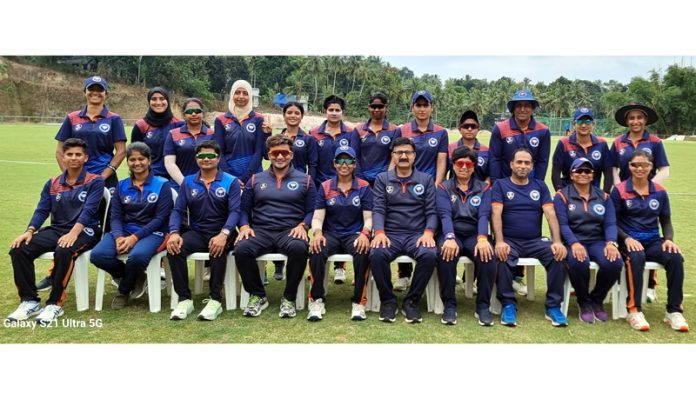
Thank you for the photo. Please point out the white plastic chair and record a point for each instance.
(81, 270)
(614, 293)
(261, 262)
(231, 283)
(623, 312)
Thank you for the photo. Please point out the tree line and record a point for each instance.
(672, 93)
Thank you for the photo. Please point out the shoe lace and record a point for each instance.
(677, 318)
(286, 305)
(52, 310)
(254, 301)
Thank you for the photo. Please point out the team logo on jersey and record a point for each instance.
(629, 203)
(152, 198)
(432, 142)
(384, 140)
(228, 127)
(453, 198)
(332, 201)
(89, 231)
(104, 127)
(545, 239)
(263, 186)
(571, 207)
(127, 199)
(181, 142)
(510, 195)
(418, 189)
(363, 138)
(596, 155)
(509, 140)
(390, 189)
(194, 192)
(622, 151)
(293, 185)
(251, 128)
(321, 143)
(82, 196)
(654, 204)
(148, 135)
(572, 153)
(534, 142)
(648, 150)
(299, 143)
(475, 200)
(356, 201)
(343, 142)
(77, 127)
(58, 197)
(599, 209)
(220, 192)
(112, 190)
(534, 194)
(481, 161)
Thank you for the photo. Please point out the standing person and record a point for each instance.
(587, 220)
(405, 220)
(72, 200)
(464, 206)
(277, 208)
(376, 137)
(469, 128)
(241, 133)
(342, 224)
(212, 198)
(582, 144)
(431, 142)
(140, 208)
(331, 134)
(180, 144)
(104, 134)
(641, 205)
(154, 127)
(517, 205)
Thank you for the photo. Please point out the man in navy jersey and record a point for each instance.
(72, 200)
(405, 220)
(517, 205)
(277, 209)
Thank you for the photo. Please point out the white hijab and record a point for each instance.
(238, 112)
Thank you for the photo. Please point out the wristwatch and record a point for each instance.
(225, 232)
(614, 243)
(449, 236)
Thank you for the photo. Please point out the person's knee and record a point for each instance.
(428, 256)
(637, 259)
(297, 248)
(380, 256)
(139, 258)
(244, 248)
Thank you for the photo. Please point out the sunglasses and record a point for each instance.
(206, 155)
(461, 163)
(277, 153)
(587, 122)
(192, 111)
(640, 164)
(344, 161)
(406, 152)
(377, 106)
(471, 126)
(583, 171)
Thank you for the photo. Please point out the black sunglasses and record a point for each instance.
(377, 106)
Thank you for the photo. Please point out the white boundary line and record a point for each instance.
(27, 162)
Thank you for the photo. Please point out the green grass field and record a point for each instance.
(27, 161)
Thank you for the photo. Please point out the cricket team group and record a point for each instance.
(374, 190)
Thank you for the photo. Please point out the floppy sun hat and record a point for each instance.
(622, 113)
(522, 95)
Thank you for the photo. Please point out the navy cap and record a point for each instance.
(580, 162)
(421, 93)
(583, 111)
(96, 80)
(469, 114)
(522, 95)
(345, 150)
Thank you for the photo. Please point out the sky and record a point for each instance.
(539, 69)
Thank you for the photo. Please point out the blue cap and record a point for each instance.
(421, 93)
(96, 80)
(522, 95)
(345, 150)
(580, 162)
(583, 111)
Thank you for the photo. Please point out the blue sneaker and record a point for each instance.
(557, 317)
(509, 315)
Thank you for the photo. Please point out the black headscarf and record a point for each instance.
(157, 119)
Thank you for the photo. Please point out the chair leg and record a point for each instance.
(373, 301)
(154, 292)
(231, 283)
(469, 284)
(435, 304)
(495, 307)
(529, 272)
(198, 281)
(173, 297)
(566, 296)
(623, 291)
(99, 295)
(81, 278)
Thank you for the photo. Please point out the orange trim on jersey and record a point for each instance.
(631, 304)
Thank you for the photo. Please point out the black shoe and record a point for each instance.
(45, 284)
(484, 317)
(411, 311)
(387, 312)
(449, 316)
(140, 286)
(120, 301)
(278, 274)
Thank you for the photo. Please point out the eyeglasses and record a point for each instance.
(206, 155)
(461, 163)
(344, 161)
(583, 171)
(587, 122)
(377, 106)
(640, 164)
(192, 111)
(404, 152)
(471, 126)
(277, 153)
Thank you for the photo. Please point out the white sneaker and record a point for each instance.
(25, 310)
(357, 313)
(677, 321)
(211, 311)
(339, 276)
(49, 314)
(402, 284)
(637, 321)
(182, 310)
(287, 309)
(519, 287)
(651, 295)
(316, 310)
